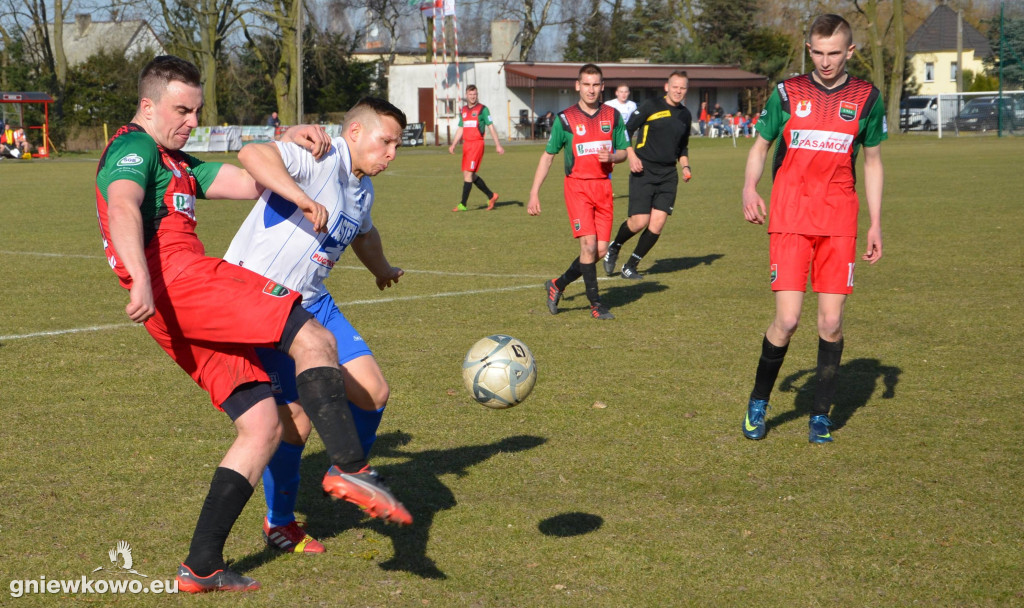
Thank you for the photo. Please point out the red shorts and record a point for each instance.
(829, 258)
(590, 206)
(472, 154)
(210, 318)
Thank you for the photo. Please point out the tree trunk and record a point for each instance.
(899, 60)
(208, 17)
(875, 44)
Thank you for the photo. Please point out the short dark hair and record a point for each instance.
(828, 25)
(380, 107)
(679, 73)
(471, 87)
(590, 68)
(162, 70)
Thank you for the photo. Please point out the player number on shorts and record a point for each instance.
(849, 276)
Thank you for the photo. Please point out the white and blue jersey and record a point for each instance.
(278, 242)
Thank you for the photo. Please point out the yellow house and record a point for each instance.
(932, 51)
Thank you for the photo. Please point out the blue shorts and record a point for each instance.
(280, 366)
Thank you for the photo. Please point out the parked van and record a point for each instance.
(919, 113)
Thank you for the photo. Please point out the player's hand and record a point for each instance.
(311, 137)
(753, 207)
(140, 302)
(385, 280)
(687, 174)
(874, 250)
(635, 164)
(604, 156)
(315, 213)
(533, 207)
(451, 149)
(499, 149)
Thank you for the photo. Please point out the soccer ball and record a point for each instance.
(499, 371)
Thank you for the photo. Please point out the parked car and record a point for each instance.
(984, 113)
(919, 113)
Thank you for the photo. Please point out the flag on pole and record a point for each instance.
(437, 8)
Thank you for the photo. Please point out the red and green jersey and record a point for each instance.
(820, 132)
(584, 136)
(171, 181)
(474, 121)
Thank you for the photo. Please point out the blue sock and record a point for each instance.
(281, 483)
(367, 423)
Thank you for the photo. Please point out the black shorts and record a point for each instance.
(648, 192)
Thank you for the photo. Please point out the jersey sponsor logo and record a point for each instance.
(775, 272)
(581, 129)
(130, 161)
(469, 123)
(276, 290)
(847, 110)
(820, 141)
(334, 244)
(803, 108)
(184, 203)
(782, 92)
(606, 126)
(588, 148)
(764, 112)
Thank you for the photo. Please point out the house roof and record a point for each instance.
(84, 38)
(641, 75)
(938, 33)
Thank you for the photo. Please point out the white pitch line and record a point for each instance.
(341, 305)
(61, 332)
(410, 271)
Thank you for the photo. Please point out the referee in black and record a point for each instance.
(662, 129)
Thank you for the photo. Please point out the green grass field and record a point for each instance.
(654, 500)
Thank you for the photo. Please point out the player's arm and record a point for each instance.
(124, 218)
(873, 185)
(313, 138)
(543, 166)
(265, 165)
(753, 205)
(684, 162)
(370, 251)
(494, 136)
(455, 140)
(620, 143)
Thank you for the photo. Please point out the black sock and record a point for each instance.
(768, 369)
(483, 187)
(624, 235)
(590, 282)
(229, 491)
(571, 274)
(829, 355)
(467, 187)
(644, 243)
(322, 395)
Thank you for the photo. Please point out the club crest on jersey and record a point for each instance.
(775, 272)
(581, 129)
(576, 225)
(803, 108)
(606, 126)
(847, 110)
(273, 289)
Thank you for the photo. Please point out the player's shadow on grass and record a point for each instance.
(858, 380)
(501, 203)
(416, 482)
(677, 264)
(619, 293)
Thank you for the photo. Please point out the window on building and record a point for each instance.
(952, 71)
(929, 72)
